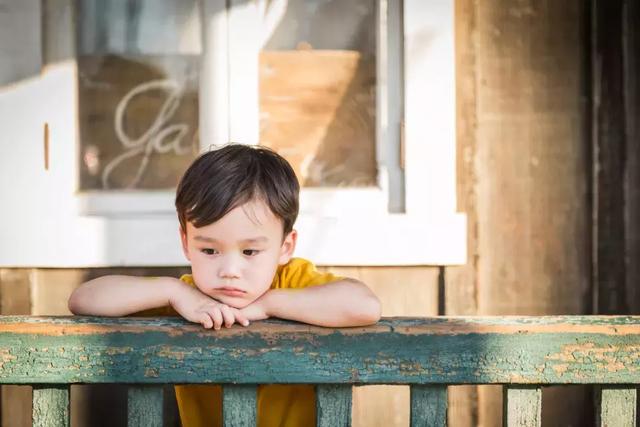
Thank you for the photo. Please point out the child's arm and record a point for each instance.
(345, 302)
(124, 295)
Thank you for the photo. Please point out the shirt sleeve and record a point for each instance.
(300, 273)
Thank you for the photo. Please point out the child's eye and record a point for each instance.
(209, 251)
(250, 252)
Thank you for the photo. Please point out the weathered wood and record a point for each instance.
(51, 406)
(428, 406)
(403, 291)
(609, 150)
(524, 350)
(311, 101)
(333, 405)
(530, 170)
(461, 282)
(144, 406)
(617, 406)
(239, 405)
(522, 406)
(632, 172)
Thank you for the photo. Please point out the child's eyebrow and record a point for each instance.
(260, 239)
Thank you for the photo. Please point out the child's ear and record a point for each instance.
(288, 246)
(183, 239)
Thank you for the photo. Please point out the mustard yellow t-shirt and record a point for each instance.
(278, 405)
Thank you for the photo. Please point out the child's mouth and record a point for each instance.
(233, 292)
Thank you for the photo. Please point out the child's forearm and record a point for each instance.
(122, 295)
(342, 303)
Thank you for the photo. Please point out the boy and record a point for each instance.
(237, 206)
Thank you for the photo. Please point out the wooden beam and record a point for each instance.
(492, 350)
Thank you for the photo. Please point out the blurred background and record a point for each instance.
(460, 157)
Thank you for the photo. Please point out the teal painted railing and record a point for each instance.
(522, 353)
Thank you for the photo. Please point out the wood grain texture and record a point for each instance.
(617, 406)
(428, 406)
(239, 407)
(403, 291)
(15, 299)
(609, 156)
(51, 406)
(532, 171)
(317, 108)
(333, 405)
(632, 171)
(492, 350)
(144, 406)
(522, 406)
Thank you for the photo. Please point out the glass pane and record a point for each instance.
(138, 92)
(317, 91)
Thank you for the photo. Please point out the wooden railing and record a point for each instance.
(523, 353)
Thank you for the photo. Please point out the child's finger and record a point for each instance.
(206, 321)
(228, 316)
(241, 318)
(216, 315)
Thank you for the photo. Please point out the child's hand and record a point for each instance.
(257, 310)
(197, 307)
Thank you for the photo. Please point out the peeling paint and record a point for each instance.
(560, 350)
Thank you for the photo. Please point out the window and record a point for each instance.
(376, 155)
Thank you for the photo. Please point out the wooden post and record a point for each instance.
(608, 122)
(526, 170)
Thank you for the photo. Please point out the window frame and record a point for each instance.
(336, 226)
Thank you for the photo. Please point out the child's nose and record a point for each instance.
(229, 268)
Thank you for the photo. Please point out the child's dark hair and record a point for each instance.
(232, 175)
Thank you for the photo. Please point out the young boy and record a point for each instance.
(237, 206)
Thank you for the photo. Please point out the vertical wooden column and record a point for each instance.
(522, 406)
(609, 152)
(461, 291)
(429, 405)
(239, 405)
(616, 406)
(333, 405)
(631, 70)
(144, 406)
(51, 406)
(527, 172)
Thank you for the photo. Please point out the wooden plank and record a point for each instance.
(632, 173)
(617, 406)
(144, 406)
(524, 350)
(428, 405)
(333, 405)
(311, 102)
(239, 405)
(608, 122)
(51, 406)
(461, 282)
(522, 406)
(15, 298)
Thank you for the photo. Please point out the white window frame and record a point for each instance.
(336, 226)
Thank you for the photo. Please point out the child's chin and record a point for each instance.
(235, 302)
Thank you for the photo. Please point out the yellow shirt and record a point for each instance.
(278, 405)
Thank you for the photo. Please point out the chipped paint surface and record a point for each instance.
(518, 350)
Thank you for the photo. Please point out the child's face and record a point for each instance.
(235, 259)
